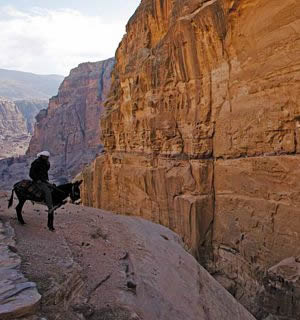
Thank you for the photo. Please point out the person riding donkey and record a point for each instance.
(39, 175)
(39, 190)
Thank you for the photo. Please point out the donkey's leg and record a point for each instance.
(51, 219)
(19, 208)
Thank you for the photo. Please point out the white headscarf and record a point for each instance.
(43, 153)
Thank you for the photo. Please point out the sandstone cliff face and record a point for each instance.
(17, 119)
(202, 134)
(24, 95)
(14, 136)
(69, 128)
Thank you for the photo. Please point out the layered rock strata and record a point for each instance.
(202, 133)
(69, 128)
(14, 136)
(17, 119)
(282, 289)
(18, 296)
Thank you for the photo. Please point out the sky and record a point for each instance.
(54, 36)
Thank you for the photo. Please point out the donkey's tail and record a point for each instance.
(11, 200)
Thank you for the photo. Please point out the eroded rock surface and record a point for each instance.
(14, 136)
(102, 266)
(282, 289)
(202, 133)
(69, 128)
(18, 296)
(16, 125)
(23, 95)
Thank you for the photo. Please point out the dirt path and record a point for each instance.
(101, 266)
(72, 263)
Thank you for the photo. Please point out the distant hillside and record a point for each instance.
(25, 85)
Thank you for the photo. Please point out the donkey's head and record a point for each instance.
(75, 193)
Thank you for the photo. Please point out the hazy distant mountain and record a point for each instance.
(22, 96)
(24, 85)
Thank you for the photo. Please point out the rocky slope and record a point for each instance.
(69, 128)
(100, 266)
(202, 135)
(14, 136)
(17, 119)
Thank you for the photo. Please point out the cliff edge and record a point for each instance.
(101, 266)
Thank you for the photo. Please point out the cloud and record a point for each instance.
(54, 41)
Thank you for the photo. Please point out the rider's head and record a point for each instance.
(44, 154)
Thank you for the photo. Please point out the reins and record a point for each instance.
(55, 188)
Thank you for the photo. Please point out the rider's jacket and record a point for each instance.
(39, 169)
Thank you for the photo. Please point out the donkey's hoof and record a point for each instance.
(51, 228)
(22, 222)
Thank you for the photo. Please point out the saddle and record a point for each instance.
(28, 186)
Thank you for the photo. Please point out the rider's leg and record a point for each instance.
(48, 195)
(49, 203)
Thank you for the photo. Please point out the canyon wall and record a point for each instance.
(30, 109)
(22, 96)
(201, 131)
(69, 128)
(14, 136)
(17, 118)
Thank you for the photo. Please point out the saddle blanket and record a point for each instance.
(29, 186)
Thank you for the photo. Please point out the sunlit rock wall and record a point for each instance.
(202, 135)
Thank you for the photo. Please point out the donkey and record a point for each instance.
(27, 190)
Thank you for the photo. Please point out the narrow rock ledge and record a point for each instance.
(18, 296)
